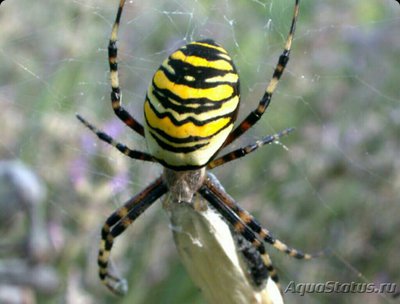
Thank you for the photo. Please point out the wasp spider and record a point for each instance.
(190, 109)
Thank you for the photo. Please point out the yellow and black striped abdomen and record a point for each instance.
(191, 105)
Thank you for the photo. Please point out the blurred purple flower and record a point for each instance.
(120, 182)
(77, 170)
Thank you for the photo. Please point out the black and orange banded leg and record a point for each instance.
(255, 115)
(117, 223)
(119, 146)
(252, 223)
(116, 91)
(239, 227)
(257, 269)
(247, 149)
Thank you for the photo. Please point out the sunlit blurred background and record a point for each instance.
(333, 183)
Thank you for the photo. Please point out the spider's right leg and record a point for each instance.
(117, 223)
(116, 91)
(241, 152)
(251, 223)
(239, 226)
(264, 102)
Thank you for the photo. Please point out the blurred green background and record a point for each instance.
(337, 185)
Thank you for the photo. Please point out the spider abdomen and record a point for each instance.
(191, 105)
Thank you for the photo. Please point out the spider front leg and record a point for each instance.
(251, 223)
(116, 91)
(117, 223)
(245, 224)
(237, 223)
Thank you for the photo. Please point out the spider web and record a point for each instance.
(334, 182)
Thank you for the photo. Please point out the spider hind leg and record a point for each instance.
(264, 102)
(116, 95)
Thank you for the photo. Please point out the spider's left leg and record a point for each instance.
(135, 154)
(247, 149)
(250, 222)
(116, 91)
(255, 115)
(117, 223)
(239, 226)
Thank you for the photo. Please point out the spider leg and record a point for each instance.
(121, 147)
(255, 115)
(116, 91)
(247, 149)
(251, 223)
(117, 223)
(239, 226)
(258, 270)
